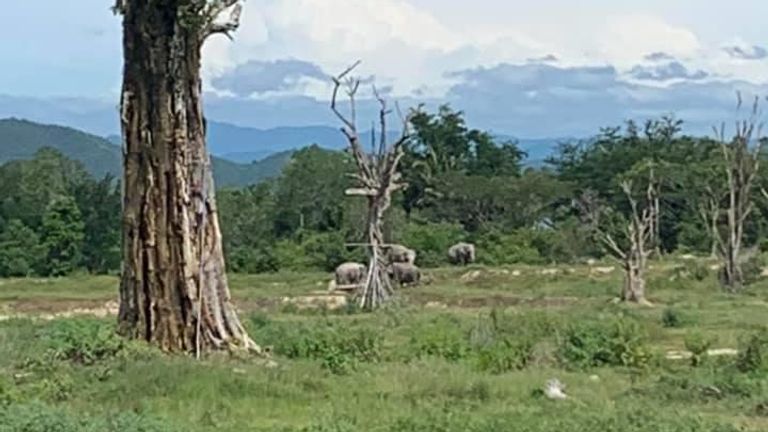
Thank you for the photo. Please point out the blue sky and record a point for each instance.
(550, 67)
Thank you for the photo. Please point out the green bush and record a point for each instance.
(505, 343)
(246, 259)
(326, 250)
(698, 345)
(313, 251)
(505, 355)
(499, 248)
(431, 241)
(672, 318)
(753, 355)
(693, 269)
(752, 269)
(340, 348)
(442, 337)
(83, 341)
(612, 342)
(714, 381)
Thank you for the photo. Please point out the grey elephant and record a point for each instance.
(404, 273)
(462, 254)
(401, 254)
(350, 273)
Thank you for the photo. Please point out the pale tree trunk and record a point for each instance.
(173, 291)
(634, 281)
(741, 155)
(733, 278)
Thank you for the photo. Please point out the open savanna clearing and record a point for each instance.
(470, 351)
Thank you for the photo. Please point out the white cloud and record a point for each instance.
(412, 48)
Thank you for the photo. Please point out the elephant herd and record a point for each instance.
(401, 267)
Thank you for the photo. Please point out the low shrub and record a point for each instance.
(673, 318)
(753, 355)
(441, 337)
(693, 269)
(612, 342)
(698, 345)
(752, 269)
(340, 348)
(84, 340)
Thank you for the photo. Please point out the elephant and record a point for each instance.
(350, 273)
(462, 254)
(401, 254)
(404, 273)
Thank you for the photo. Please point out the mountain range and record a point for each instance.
(20, 139)
(254, 138)
(240, 155)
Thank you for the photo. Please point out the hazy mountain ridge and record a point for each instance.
(20, 139)
(241, 143)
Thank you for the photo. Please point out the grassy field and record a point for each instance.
(469, 352)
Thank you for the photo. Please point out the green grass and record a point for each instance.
(461, 354)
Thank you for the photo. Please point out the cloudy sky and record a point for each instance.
(533, 69)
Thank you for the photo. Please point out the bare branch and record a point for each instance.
(337, 81)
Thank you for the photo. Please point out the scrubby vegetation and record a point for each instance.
(462, 354)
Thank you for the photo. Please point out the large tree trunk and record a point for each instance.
(173, 291)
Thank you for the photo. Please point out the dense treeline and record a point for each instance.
(55, 218)
(462, 185)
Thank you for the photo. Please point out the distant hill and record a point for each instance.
(20, 139)
(244, 144)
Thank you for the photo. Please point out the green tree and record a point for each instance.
(20, 250)
(44, 179)
(62, 236)
(247, 224)
(442, 146)
(99, 204)
(310, 192)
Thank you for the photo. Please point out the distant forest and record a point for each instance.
(57, 218)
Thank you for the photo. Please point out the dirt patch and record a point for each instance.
(427, 299)
(50, 306)
(60, 309)
(317, 301)
(682, 355)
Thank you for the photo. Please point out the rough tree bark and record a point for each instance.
(173, 291)
(741, 155)
(377, 177)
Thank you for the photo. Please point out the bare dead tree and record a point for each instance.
(174, 291)
(632, 243)
(377, 179)
(741, 156)
(709, 212)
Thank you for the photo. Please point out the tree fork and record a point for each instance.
(174, 291)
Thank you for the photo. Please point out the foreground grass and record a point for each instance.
(469, 352)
